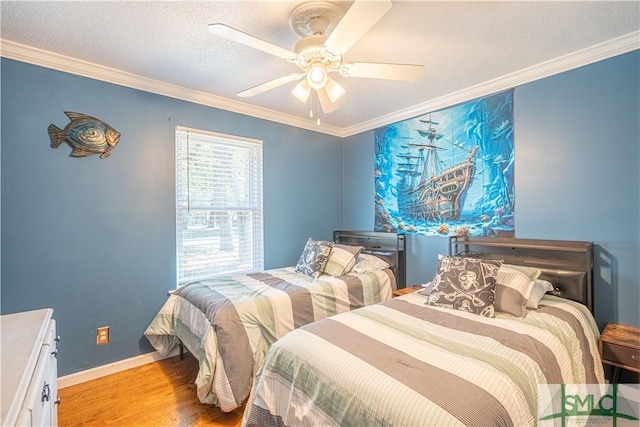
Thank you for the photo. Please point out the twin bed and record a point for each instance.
(424, 358)
(228, 323)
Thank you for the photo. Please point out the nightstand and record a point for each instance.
(407, 290)
(620, 347)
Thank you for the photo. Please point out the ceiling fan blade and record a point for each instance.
(271, 84)
(361, 16)
(325, 102)
(382, 71)
(251, 41)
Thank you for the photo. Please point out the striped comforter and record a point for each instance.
(229, 323)
(402, 363)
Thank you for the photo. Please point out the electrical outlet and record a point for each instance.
(102, 336)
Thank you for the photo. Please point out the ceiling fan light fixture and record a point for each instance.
(328, 32)
(325, 102)
(334, 90)
(302, 91)
(317, 76)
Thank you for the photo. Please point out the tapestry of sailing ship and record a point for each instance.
(448, 172)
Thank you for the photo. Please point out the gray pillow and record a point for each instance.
(466, 284)
(314, 257)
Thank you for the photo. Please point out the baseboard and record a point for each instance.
(112, 368)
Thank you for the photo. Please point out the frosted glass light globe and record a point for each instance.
(317, 77)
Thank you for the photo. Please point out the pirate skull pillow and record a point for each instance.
(466, 284)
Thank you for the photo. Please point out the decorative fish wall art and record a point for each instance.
(86, 135)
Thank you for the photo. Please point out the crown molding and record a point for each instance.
(54, 61)
(589, 55)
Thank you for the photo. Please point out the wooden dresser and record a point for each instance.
(29, 369)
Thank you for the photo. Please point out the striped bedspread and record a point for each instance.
(402, 363)
(228, 323)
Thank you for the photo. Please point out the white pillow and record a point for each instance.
(367, 262)
(540, 287)
(427, 288)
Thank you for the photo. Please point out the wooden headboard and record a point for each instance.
(568, 265)
(390, 247)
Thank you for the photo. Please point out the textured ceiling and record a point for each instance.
(461, 45)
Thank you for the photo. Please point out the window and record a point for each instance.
(218, 204)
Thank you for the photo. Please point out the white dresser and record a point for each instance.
(29, 369)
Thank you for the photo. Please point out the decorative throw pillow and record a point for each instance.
(366, 263)
(514, 287)
(427, 288)
(466, 284)
(342, 259)
(314, 257)
(540, 287)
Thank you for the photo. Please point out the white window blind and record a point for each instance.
(218, 204)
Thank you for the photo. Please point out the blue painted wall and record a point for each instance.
(577, 138)
(95, 239)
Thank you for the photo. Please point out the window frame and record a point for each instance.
(254, 207)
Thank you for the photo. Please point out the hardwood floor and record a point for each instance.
(156, 394)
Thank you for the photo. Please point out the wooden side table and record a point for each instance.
(407, 290)
(620, 347)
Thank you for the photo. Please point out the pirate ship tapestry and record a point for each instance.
(448, 172)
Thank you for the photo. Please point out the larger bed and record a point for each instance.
(418, 361)
(228, 323)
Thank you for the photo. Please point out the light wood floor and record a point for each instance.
(156, 394)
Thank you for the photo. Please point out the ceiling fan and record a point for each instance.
(327, 34)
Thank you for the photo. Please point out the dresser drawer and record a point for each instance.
(29, 369)
(39, 400)
(622, 355)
